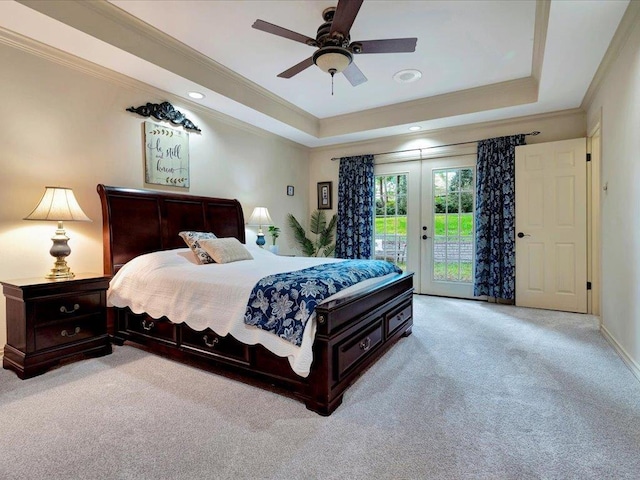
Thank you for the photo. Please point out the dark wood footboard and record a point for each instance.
(352, 332)
(344, 346)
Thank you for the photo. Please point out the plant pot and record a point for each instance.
(273, 249)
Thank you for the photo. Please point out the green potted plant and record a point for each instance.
(275, 233)
(323, 244)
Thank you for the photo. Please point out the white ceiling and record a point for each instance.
(464, 49)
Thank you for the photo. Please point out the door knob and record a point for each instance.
(521, 235)
(424, 237)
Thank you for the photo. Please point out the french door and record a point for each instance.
(447, 253)
(425, 222)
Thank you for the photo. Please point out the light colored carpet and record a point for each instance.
(479, 391)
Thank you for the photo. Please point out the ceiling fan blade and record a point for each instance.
(390, 45)
(344, 16)
(296, 69)
(282, 32)
(354, 75)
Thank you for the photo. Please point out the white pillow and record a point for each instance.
(226, 250)
(193, 239)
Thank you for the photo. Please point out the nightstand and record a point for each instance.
(51, 320)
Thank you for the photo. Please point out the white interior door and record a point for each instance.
(551, 225)
(447, 253)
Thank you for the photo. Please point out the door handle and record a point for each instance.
(424, 237)
(522, 235)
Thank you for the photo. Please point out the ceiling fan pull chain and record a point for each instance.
(332, 71)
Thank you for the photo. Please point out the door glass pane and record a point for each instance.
(453, 198)
(390, 226)
(439, 183)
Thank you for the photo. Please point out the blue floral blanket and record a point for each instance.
(283, 303)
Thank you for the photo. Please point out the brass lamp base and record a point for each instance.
(60, 270)
(60, 250)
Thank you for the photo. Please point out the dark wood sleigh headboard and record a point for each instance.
(135, 222)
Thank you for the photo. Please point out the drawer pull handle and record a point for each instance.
(76, 307)
(147, 326)
(211, 343)
(365, 344)
(76, 331)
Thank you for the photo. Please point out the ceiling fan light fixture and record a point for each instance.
(332, 59)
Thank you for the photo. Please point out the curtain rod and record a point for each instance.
(533, 134)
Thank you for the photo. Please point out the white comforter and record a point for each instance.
(170, 283)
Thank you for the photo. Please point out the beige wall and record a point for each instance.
(617, 106)
(67, 125)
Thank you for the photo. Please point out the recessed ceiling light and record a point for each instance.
(407, 76)
(196, 95)
(415, 128)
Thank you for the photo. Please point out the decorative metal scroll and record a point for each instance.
(164, 111)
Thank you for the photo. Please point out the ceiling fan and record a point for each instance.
(335, 49)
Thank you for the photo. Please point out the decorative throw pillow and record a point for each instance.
(226, 250)
(193, 239)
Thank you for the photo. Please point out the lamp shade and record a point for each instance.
(260, 217)
(58, 204)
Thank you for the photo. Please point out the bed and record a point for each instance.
(352, 330)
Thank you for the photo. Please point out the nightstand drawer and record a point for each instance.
(67, 306)
(61, 333)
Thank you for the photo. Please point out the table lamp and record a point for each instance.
(260, 217)
(58, 204)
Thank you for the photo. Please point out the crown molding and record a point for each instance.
(105, 21)
(488, 97)
(462, 133)
(629, 21)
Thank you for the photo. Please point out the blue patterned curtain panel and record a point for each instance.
(354, 231)
(495, 217)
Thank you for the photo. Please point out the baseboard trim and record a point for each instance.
(629, 362)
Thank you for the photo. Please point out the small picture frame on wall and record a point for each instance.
(324, 195)
(290, 190)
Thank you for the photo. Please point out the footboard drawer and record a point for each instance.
(213, 344)
(148, 327)
(356, 349)
(398, 317)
